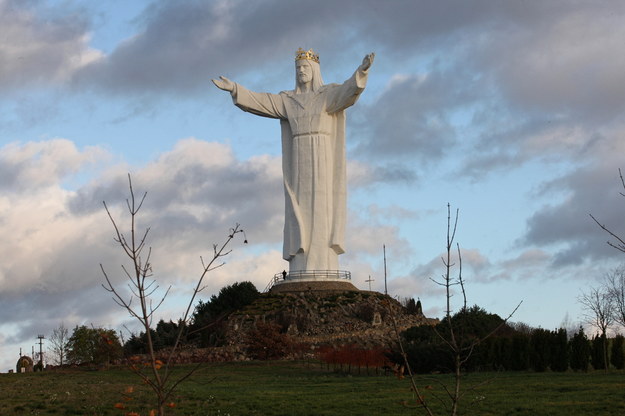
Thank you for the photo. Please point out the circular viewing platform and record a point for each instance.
(313, 280)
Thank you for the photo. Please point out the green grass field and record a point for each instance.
(282, 388)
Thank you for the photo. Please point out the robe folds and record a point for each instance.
(313, 167)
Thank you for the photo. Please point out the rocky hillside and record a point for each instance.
(326, 318)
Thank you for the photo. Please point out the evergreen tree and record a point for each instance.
(560, 350)
(520, 354)
(598, 353)
(580, 351)
(207, 321)
(136, 344)
(540, 349)
(498, 356)
(411, 306)
(163, 336)
(617, 353)
(167, 333)
(427, 352)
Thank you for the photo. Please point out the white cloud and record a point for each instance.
(570, 65)
(58, 237)
(43, 163)
(41, 49)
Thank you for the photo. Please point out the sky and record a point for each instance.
(511, 112)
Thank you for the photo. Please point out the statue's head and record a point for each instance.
(307, 69)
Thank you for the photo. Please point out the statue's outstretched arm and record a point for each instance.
(224, 83)
(346, 94)
(259, 103)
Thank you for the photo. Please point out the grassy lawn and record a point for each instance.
(279, 388)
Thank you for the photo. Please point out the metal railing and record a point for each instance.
(304, 275)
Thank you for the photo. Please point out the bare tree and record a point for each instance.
(58, 341)
(598, 313)
(421, 402)
(607, 304)
(615, 286)
(142, 305)
(460, 348)
(619, 242)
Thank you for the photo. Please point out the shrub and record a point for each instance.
(427, 352)
(580, 351)
(597, 355)
(93, 346)
(266, 342)
(365, 312)
(560, 350)
(540, 349)
(617, 353)
(520, 354)
(350, 356)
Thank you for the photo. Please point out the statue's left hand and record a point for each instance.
(367, 61)
(224, 84)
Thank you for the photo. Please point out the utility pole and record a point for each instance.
(41, 338)
(385, 288)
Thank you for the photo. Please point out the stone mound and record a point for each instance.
(326, 318)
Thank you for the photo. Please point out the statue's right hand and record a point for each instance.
(224, 83)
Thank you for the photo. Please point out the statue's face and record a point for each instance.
(303, 71)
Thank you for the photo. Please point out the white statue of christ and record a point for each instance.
(312, 118)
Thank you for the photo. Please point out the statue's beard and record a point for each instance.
(315, 81)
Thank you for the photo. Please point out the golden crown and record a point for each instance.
(309, 54)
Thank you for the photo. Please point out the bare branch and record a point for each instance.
(142, 289)
(421, 400)
(501, 325)
(599, 308)
(621, 246)
(599, 313)
(614, 283)
(460, 346)
(460, 281)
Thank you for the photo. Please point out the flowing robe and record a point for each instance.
(313, 167)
